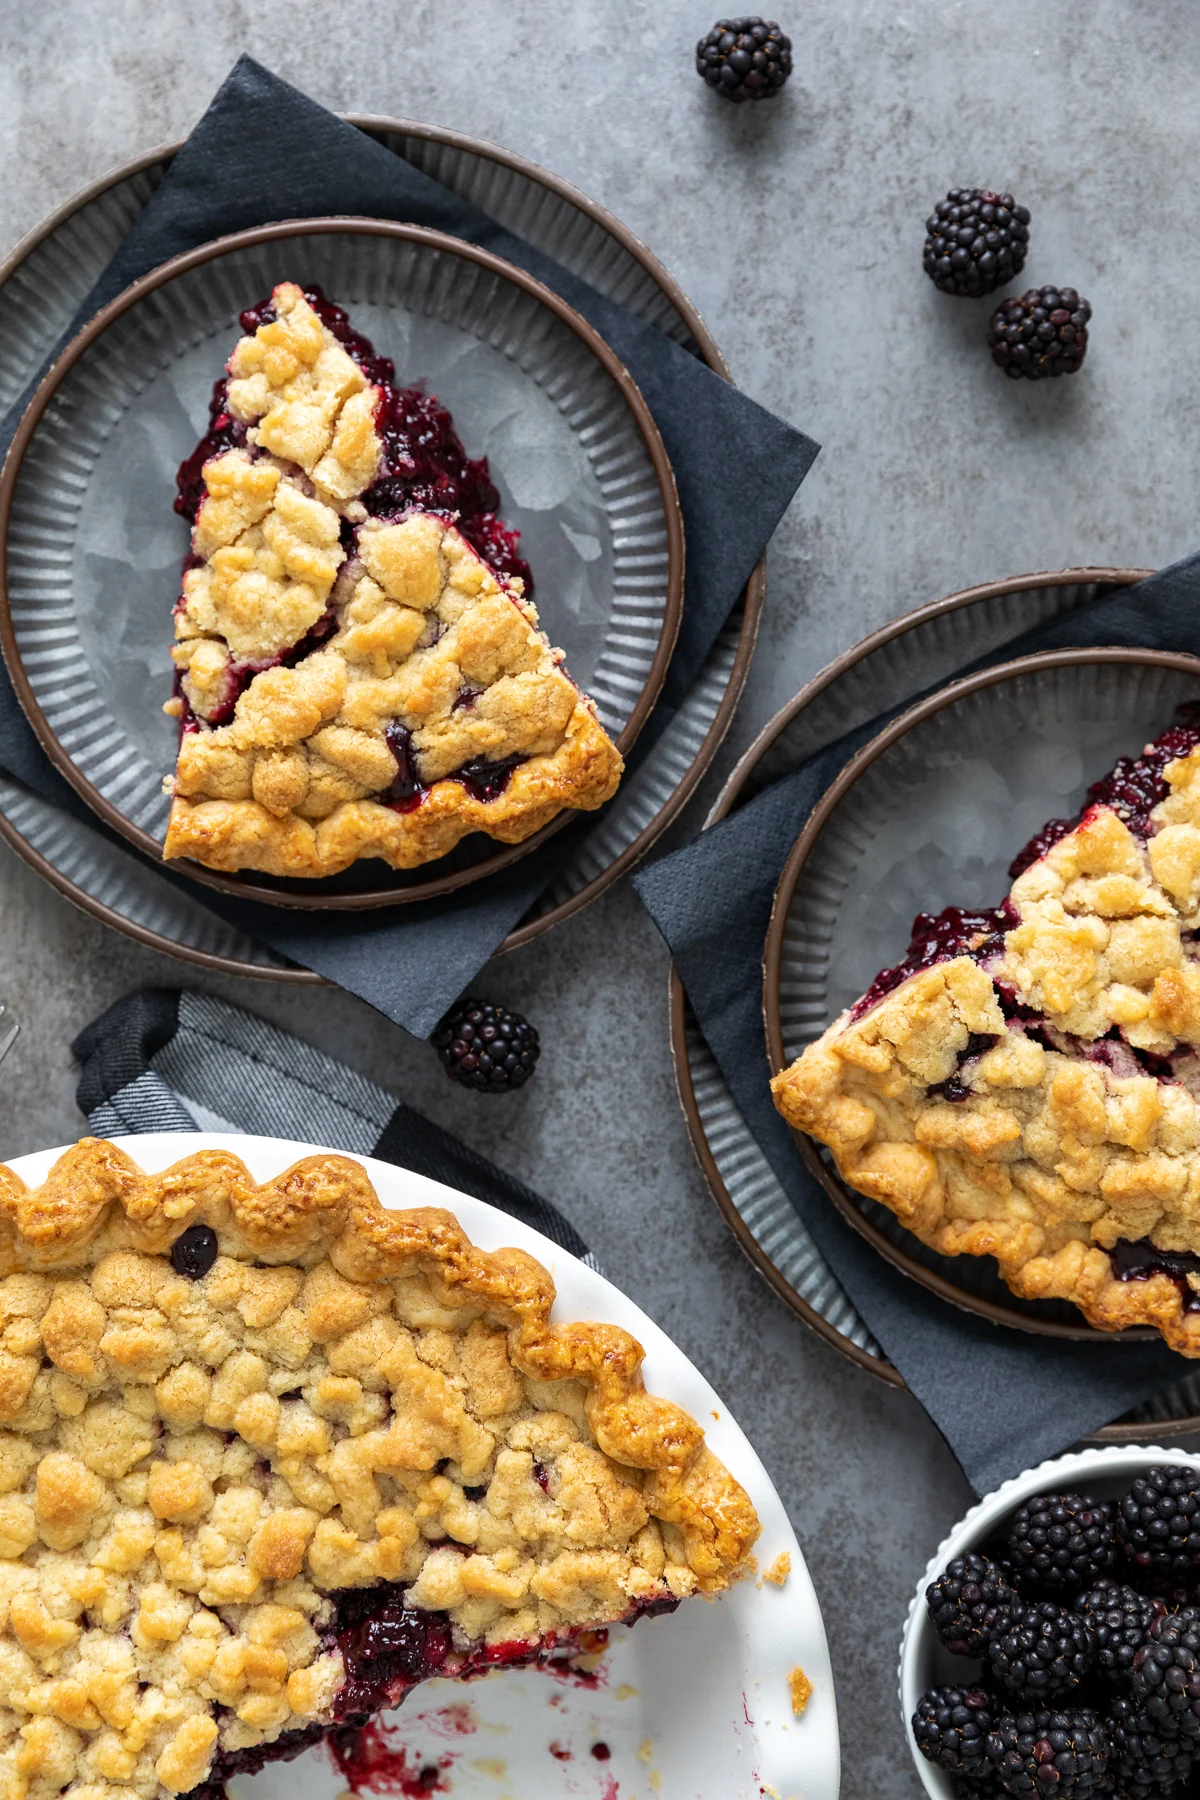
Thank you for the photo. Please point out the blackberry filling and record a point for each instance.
(406, 791)
(955, 931)
(954, 1088)
(485, 780)
(425, 466)
(1125, 1059)
(1139, 1260)
(386, 1649)
(224, 433)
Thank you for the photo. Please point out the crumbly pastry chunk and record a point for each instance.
(801, 1690)
(1026, 1085)
(271, 1455)
(359, 668)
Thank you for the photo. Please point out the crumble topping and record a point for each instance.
(352, 684)
(1037, 1098)
(194, 1469)
(296, 382)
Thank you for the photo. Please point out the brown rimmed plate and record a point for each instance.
(43, 281)
(891, 664)
(918, 790)
(90, 476)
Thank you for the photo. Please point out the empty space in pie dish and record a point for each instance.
(94, 547)
(701, 1701)
(933, 821)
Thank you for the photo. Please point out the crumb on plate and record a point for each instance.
(779, 1570)
(801, 1688)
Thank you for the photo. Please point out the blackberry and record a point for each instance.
(1061, 1542)
(967, 1604)
(1043, 1650)
(1143, 1761)
(1121, 1619)
(1166, 1675)
(1043, 1753)
(194, 1252)
(1158, 1524)
(486, 1047)
(975, 241)
(951, 1725)
(745, 59)
(1043, 333)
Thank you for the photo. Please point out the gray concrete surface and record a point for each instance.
(797, 229)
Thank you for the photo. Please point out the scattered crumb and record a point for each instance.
(655, 1782)
(801, 1688)
(716, 1415)
(494, 1766)
(779, 1570)
(625, 1692)
(646, 1751)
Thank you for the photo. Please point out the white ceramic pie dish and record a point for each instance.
(923, 1663)
(699, 1699)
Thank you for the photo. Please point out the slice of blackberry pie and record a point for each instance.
(273, 1455)
(359, 669)
(1026, 1083)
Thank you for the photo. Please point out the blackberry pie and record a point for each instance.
(359, 669)
(1026, 1083)
(272, 1455)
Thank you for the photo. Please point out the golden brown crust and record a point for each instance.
(581, 773)
(349, 1395)
(1064, 1145)
(424, 638)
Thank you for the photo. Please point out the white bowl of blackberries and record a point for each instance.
(1053, 1647)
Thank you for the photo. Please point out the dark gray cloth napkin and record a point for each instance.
(264, 151)
(1003, 1400)
(162, 1060)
